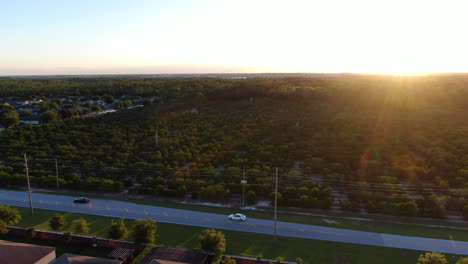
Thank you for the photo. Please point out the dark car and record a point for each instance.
(81, 200)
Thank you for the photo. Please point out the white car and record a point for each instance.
(237, 217)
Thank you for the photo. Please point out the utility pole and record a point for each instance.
(276, 200)
(243, 190)
(56, 172)
(29, 185)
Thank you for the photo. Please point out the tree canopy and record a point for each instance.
(212, 241)
(145, 231)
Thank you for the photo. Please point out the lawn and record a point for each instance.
(247, 244)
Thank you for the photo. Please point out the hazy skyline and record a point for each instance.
(208, 36)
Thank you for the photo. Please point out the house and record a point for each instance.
(1, 128)
(135, 106)
(100, 102)
(174, 255)
(77, 259)
(31, 120)
(36, 101)
(19, 253)
(22, 102)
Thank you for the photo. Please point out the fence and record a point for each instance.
(76, 239)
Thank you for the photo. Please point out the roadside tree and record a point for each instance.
(9, 215)
(80, 226)
(432, 258)
(118, 230)
(145, 231)
(212, 241)
(57, 222)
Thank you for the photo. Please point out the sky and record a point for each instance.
(223, 36)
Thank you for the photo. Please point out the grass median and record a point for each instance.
(243, 243)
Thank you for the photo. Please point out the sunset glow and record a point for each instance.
(207, 36)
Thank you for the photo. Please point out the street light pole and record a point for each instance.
(276, 200)
(56, 172)
(29, 184)
(243, 190)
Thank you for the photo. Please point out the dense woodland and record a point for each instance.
(394, 145)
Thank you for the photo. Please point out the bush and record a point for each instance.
(217, 259)
(80, 226)
(432, 258)
(9, 215)
(228, 260)
(279, 259)
(57, 222)
(3, 228)
(143, 253)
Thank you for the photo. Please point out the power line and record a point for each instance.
(288, 179)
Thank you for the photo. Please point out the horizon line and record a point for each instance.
(235, 73)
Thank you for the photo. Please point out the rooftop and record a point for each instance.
(174, 255)
(19, 253)
(77, 259)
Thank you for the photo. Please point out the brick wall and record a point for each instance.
(76, 239)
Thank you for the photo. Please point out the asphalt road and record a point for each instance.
(114, 208)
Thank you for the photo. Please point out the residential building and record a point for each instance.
(77, 259)
(174, 255)
(19, 253)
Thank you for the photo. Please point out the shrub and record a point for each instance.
(432, 258)
(57, 222)
(3, 228)
(80, 226)
(228, 260)
(9, 215)
(143, 253)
